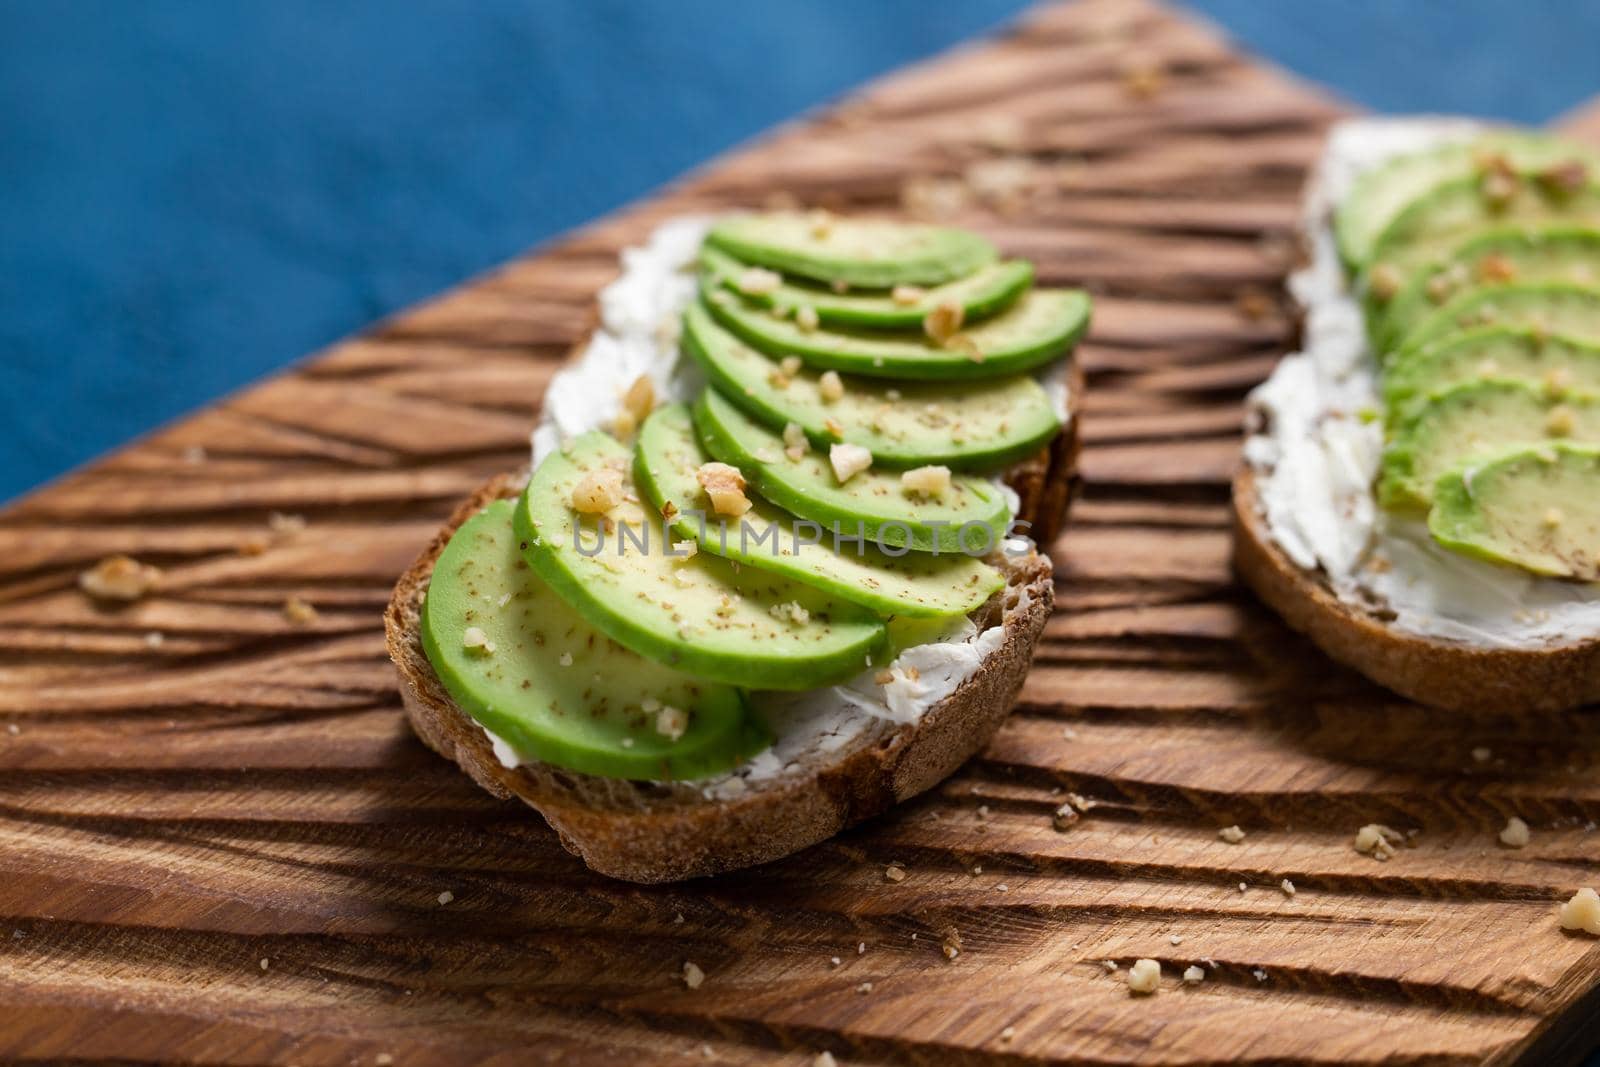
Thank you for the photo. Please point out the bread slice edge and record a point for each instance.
(1443, 674)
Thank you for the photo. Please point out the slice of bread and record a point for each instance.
(1445, 674)
(663, 832)
(660, 832)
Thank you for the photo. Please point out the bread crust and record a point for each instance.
(1444, 674)
(660, 832)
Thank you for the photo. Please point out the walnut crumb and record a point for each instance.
(1287, 887)
(598, 491)
(805, 317)
(473, 639)
(931, 481)
(848, 460)
(824, 1059)
(943, 321)
(693, 976)
(907, 295)
(446, 897)
(1515, 834)
(1582, 912)
(1194, 975)
(758, 281)
(120, 578)
(1231, 834)
(894, 873)
(830, 386)
(671, 722)
(1144, 977)
(299, 612)
(1377, 840)
(1065, 817)
(724, 487)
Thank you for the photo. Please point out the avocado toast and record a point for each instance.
(1420, 487)
(744, 598)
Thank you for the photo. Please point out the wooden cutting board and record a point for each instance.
(220, 844)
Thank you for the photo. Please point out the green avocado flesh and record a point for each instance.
(981, 294)
(911, 583)
(859, 253)
(873, 502)
(556, 689)
(1477, 419)
(1537, 508)
(1553, 307)
(1431, 226)
(703, 615)
(1491, 352)
(974, 426)
(1380, 195)
(1040, 326)
(1547, 254)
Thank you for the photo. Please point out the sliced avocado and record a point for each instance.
(1501, 256)
(1554, 307)
(1379, 195)
(1491, 352)
(700, 614)
(1441, 219)
(911, 583)
(859, 253)
(556, 689)
(1477, 419)
(1534, 508)
(873, 501)
(980, 294)
(975, 426)
(1036, 329)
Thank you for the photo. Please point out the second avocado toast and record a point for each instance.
(770, 572)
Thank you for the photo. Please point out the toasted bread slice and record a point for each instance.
(1445, 674)
(661, 832)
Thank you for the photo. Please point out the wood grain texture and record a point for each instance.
(222, 845)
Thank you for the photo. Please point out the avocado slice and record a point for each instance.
(1500, 256)
(1564, 308)
(1534, 508)
(911, 583)
(1040, 326)
(1441, 219)
(1476, 419)
(985, 292)
(873, 501)
(859, 253)
(554, 688)
(1491, 352)
(700, 614)
(1378, 196)
(975, 426)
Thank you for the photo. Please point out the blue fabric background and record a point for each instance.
(196, 193)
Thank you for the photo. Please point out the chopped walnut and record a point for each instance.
(598, 492)
(831, 386)
(805, 317)
(1194, 975)
(932, 480)
(894, 873)
(1554, 517)
(1377, 840)
(473, 639)
(795, 442)
(1065, 817)
(297, 611)
(848, 460)
(1560, 422)
(692, 975)
(1144, 977)
(758, 281)
(1582, 912)
(1515, 834)
(790, 611)
(671, 722)
(638, 400)
(907, 295)
(790, 365)
(1384, 281)
(1496, 268)
(119, 578)
(943, 322)
(1231, 834)
(683, 550)
(724, 487)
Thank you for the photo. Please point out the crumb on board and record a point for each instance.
(446, 897)
(1144, 977)
(1515, 834)
(1377, 841)
(1231, 834)
(120, 577)
(692, 975)
(894, 873)
(1193, 975)
(1582, 912)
